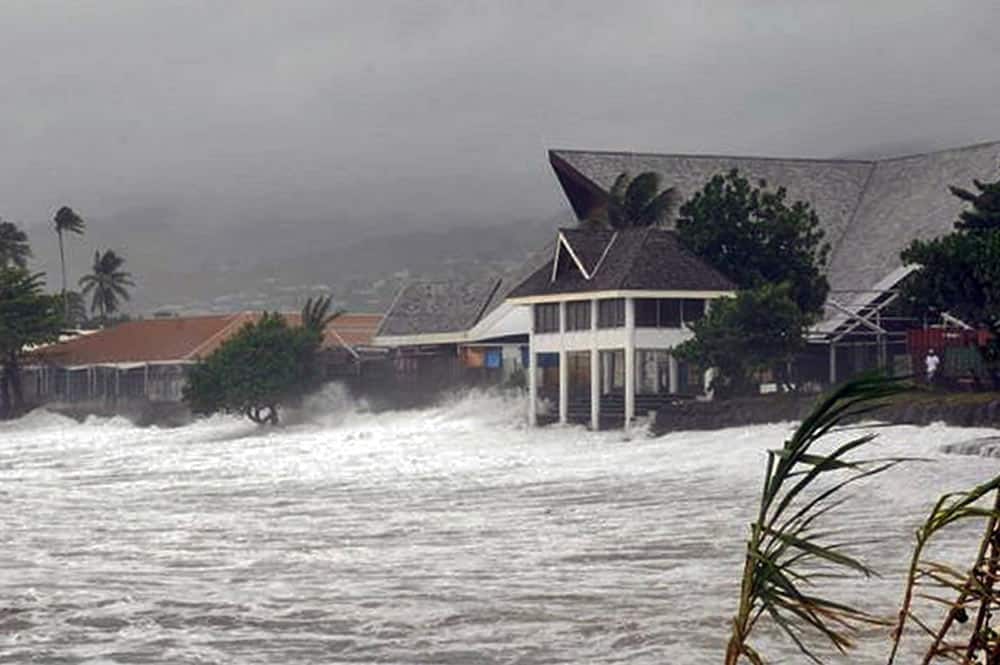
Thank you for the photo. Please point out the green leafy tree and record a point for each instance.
(637, 202)
(759, 329)
(755, 236)
(107, 284)
(28, 317)
(985, 210)
(67, 221)
(960, 273)
(265, 366)
(14, 248)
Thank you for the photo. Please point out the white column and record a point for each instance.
(629, 361)
(673, 378)
(595, 371)
(532, 370)
(563, 368)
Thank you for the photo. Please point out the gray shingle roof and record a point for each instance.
(636, 259)
(431, 307)
(588, 246)
(869, 210)
(438, 307)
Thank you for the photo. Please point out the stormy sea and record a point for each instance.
(449, 535)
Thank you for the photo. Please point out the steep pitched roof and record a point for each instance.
(435, 307)
(187, 339)
(438, 307)
(586, 246)
(869, 209)
(633, 259)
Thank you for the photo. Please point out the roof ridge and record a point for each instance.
(928, 153)
(625, 153)
(854, 213)
(836, 160)
(237, 316)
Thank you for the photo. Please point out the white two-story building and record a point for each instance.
(607, 312)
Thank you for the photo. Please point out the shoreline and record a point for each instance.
(916, 408)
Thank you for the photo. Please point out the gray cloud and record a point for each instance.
(201, 116)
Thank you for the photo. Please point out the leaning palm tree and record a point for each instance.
(67, 221)
(316, 314)
(107, 284)
(14, 248)
(639, 202)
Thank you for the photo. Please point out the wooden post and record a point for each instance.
(532, 370)
(563, 368)
(595, 371)
(629, 361)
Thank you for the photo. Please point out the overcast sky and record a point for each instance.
(415, 113)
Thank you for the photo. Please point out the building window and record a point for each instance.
(612, 372)
(670, 313)
(547, 318)
(578, 315)
(611, 313)
(693, 310)
(646, 312)
(652, 371)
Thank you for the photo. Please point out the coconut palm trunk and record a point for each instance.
(62, 263)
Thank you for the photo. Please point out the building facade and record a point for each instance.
(607, 312)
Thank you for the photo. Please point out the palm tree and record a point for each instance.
(107, 282)
(14, 247)
(316, 314)
(638, 202)
(66, 220)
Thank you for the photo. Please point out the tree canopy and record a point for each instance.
(959, 273)
(637, 202)
(14, 248)
(265, 366)
(755, 236)
(28, 317)
(758, 329)
(985, 210)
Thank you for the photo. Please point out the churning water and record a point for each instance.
(449, 535)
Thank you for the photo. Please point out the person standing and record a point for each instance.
(931, 363)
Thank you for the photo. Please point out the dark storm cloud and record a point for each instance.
(400, 114)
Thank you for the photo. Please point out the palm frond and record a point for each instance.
(974, 585)
(788, 552)
(67, 220)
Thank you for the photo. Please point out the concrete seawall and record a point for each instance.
(961, 410)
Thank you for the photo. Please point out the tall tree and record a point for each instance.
(638, 202)
(67, 221)
(754, 236)
(28, 316)
(107, 284)
(959, 273)
(266, 365)
(14, 248)
(985, 210)
(759, 329)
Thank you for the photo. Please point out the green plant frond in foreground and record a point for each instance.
(789, 552)
(973, 586)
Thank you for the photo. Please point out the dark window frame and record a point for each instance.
(546, 318)
(610, 313)
(578, 315)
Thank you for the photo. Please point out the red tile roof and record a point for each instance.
(188, 338)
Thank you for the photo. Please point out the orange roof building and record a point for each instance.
(185, 340)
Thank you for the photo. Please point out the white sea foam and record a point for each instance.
(453, 534)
